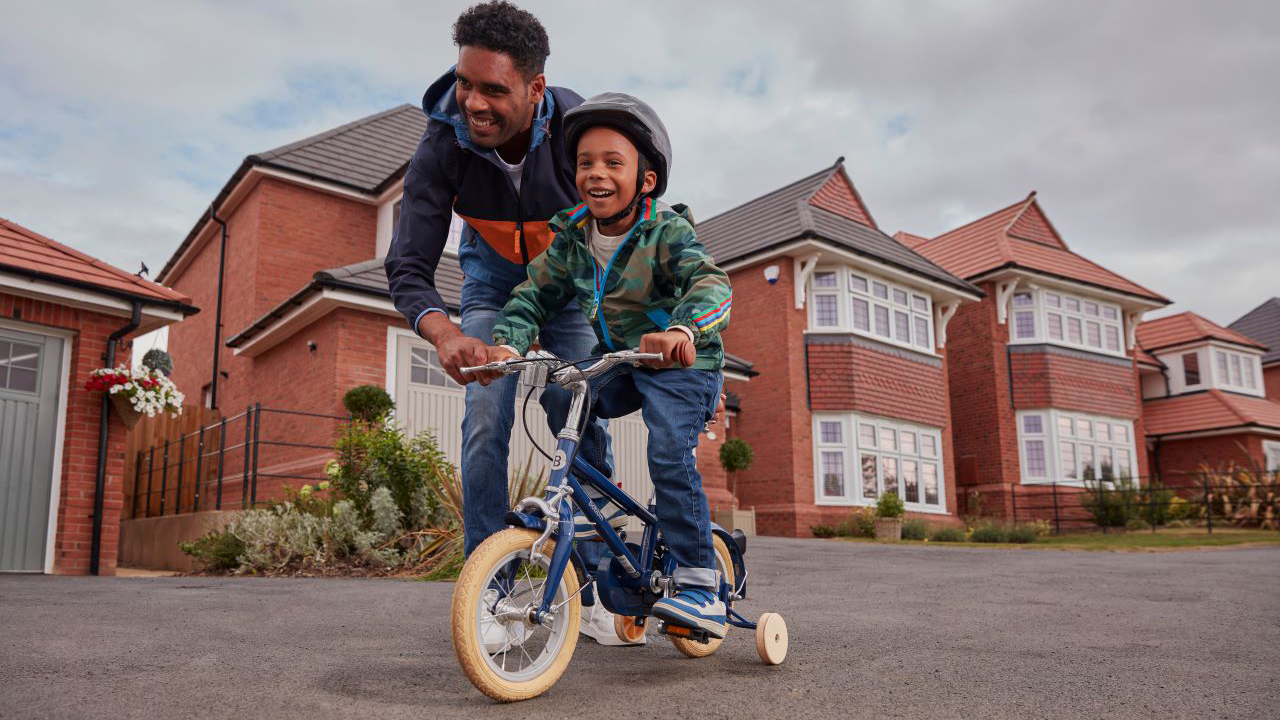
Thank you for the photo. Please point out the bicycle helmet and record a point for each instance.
(633, 118)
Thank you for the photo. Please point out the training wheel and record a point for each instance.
(627, 630)
(771, 638)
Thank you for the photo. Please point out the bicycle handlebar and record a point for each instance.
(565, 372)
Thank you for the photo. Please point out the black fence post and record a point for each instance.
(257, 422)
(222, 448)
(1057, 521)
(1105, 511)
(1013, 498)
(199, 468)
(248, 435)
(182, 462)
(1208, 507)
(164, 477)
(151, 471)
(137, 479)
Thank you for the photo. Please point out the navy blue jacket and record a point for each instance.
(505, 229)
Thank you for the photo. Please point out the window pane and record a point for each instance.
(22, 379)
(1123, 466)
(1247, 369)
(922, 332)
(1053, 300)
(899, 296)
(1095, 334)
(824, 307)
(869, 476)
(1036, 459)
(888, 439)
(1103, 431)
(1222, 368)
(1090, 308)
(1067, 450)
(1022, 299)
(929, 473)
(908, 442)
(419, 374)
(902, 326)
(1113, 338)
(1024, 323)
(436, 377)
(1071, 304)
(1106, 468)
(1122, 434)
(910, 482)
(889, 467)
(1084, 429)
(882, 320)
(1087, 471)
(928, 446)
(1073, 331)
(857, 283)
(880, 290)
(866, 435)
(861, 317)
(824, 279)
(24, 356)
(1055, 326)
(920, 302)
(1066, 426)
(833, 474)
(1033, 424)
(1235, 371)
(831, 432)
(1109, 312)
(19, 363)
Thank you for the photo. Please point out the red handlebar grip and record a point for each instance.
(684, 354)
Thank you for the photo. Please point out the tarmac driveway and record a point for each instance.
(876, 631)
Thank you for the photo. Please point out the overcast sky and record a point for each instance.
(1151, 130)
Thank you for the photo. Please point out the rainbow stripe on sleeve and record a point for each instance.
(715, 316)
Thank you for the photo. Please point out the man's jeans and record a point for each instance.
(675, 403)
(490, 412)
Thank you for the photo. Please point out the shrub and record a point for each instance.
(1111, 507)
(1179, 510)
(947, 534)
(371, 456)
(889, 506)
(1040, 527)
(368, 403)
(735, 455)
(1137, 523)
(859, 523)
(913, 529)
(158, 360)
(1021, 534)
(220, 550)
(823, 531)
(988, 532)
(1244, 497)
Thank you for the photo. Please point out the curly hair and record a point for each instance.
(502, 27)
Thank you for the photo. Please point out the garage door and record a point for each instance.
(29, 395)
(427, 399)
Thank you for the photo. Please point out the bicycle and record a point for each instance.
(517, 602)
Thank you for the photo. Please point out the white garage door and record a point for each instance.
(427, 399)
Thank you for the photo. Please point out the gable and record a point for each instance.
(837, 195)
(1034, 226)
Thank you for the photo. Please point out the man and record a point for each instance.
(492, 153)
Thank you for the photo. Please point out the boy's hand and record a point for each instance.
(493, 353)
(674, 346)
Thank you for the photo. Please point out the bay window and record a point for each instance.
(1067, 447)
(1050, 316)
(1236, 371)
(842, 299)
(858, 458)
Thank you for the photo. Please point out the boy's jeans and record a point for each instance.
(490, 412)
(675, 403)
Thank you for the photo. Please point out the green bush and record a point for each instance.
(735, 455)
(1021, 534)
(1137, 523)
(220, 550)
(913, 529)
(988, 532)
(890, 506)
(368, 403)
(823, 531)
(947, 534)
(1114, 506)
(859, 523)
(158, 359)
(377, 455)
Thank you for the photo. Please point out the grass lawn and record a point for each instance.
(1133, 540)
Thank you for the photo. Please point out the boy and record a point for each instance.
(636, 269)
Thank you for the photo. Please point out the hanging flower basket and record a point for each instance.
(135, 393)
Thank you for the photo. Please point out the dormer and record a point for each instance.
(1192, 354)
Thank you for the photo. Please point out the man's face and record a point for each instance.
(496, 100)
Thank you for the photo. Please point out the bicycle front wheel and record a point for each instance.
(502, 654)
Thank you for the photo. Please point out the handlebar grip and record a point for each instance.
(684, 354)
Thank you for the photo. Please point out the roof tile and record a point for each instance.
(1187, 327)
(1262, 324)
(1211, 410)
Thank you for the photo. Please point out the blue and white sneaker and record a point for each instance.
(693, 607)
(613, 514)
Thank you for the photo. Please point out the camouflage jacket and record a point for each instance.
(660, 277)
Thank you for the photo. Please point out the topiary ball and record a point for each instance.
(158, 360)
(368, 403)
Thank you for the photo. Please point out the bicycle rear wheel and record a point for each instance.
(724, 563)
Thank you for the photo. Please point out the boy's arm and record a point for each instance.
(547, 290)
(705, 293)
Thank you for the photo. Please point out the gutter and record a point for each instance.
(100, 482)
(217, 318)
(101, 290)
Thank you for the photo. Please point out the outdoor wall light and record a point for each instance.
(311, 345)
(771, 274)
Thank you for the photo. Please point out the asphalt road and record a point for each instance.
(877, 631)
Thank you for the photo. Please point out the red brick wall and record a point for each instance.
(74, 535)
(848, 377)
(1179, 461)
(1047, 379)
(1271, 381)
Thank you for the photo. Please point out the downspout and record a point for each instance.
(217, 315)
(100, 483)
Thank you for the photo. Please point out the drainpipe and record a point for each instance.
(100, 483)
(217, 317)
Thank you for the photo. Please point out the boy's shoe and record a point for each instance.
(496, 636)
(694, 607)
(613, 514)
(597, 624)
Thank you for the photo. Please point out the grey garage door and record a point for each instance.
(29, 395)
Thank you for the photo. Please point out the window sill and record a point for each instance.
(829, 502)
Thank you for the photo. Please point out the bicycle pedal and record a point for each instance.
(695, 634)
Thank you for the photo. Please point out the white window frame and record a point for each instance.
(1039, 310)
(1053, 438)
(846, 292)
(852, 448)
(1271, 455)
(1249, 371)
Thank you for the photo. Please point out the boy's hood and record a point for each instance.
(440, 103)
(575, 218)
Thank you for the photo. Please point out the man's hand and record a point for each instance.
(454, 349)
(674, 346)
(719, 411)
(494, 353)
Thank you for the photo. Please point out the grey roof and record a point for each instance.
(1262, 324)
(785, 215)
(362, 155)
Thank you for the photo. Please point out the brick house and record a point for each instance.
(847, 328)
(1204, 402)
(62, 315)
(1043, 378)
(1262, 324)
(306, 309)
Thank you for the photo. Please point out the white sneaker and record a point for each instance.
(495, 635)
(597, 624)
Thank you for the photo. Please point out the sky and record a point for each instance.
(1150, 130)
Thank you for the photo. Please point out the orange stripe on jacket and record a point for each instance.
(504, 236)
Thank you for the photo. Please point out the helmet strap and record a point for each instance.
(642, 167)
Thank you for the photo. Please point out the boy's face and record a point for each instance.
(496, 100)
(606, 176)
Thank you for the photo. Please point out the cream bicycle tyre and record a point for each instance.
(693, 648)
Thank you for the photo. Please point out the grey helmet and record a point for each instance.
(631, 116)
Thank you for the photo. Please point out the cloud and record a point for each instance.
(1145, 126)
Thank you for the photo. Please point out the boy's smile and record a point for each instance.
(606, 174)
